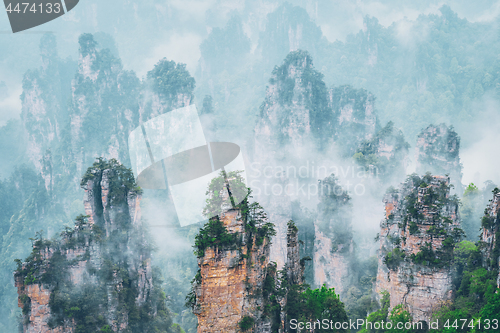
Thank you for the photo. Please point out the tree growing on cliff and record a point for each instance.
(113, 258)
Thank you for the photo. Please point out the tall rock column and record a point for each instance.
(293, 120)
(99, 273)
(438, 152)
(231, 291)
(490, 235)
(333, 244)
(355, 117)
(417, 238)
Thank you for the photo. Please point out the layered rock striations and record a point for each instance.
(490, 234)
(417, 238)
(437, 151)
(99, 274)
(236, 279)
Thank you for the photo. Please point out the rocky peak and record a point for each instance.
(289, 28)
(48, 51)
(99, 272)
(385, 154)
(490, 234)
(104, 106)
(170, 86)
(437, 151)
(236, 279)
(354, 112)
(300, 115)
(111, 199)
(295, 106)
(87, 61)
(299, 106)
(103, 109)
(44, 99)
(333, 241)
(227, 289)
(417, 237)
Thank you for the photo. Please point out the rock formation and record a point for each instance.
(169, 87)
(299, 118)
(490, 235)
(417, 238)
(385, 155)
(295, 109)
(333, 244)
(288, 120)
(289, 28)
(104, 106)
(437, 152)
(106, 102)
(45, 94)
(99, 273)
(355, 117)
(236, 278)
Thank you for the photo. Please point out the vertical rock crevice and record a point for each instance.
(417, 237)
(99, 273)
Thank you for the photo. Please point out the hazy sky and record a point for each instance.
(188, 23)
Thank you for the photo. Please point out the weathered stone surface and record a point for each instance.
(421, 287)
(437, 151)
(490, 234)
(333, 243)
(39, 309)
(83, 253)
(330, 267)
(232, 281)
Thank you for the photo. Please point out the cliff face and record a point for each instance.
(45, 93)
(333, 244)
(106, 102)
(490, 234)
(289, 28)
(231, 291)
(437, 151)
(301, 116)
(354, 114)
(417, 237)
(385, 155)
(104, 105)
(99, 273)
(229, 279)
